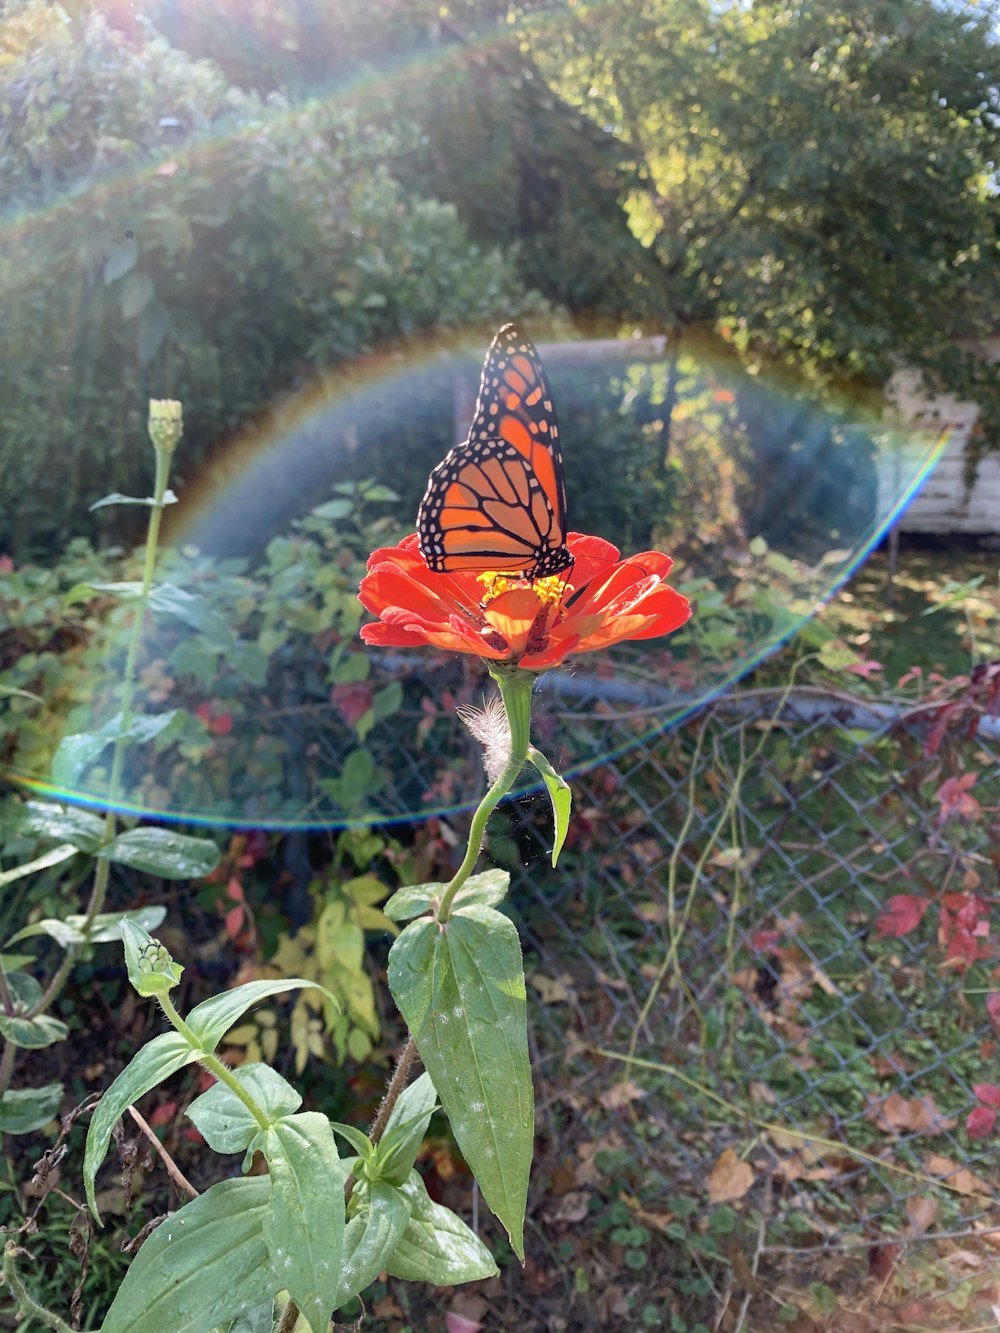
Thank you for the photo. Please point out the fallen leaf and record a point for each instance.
(760, 1092)
(620, 1094)
(890, 1066)
(915, 1115)
(980, 1122)
(958, 1178)
(551, 990)
(730, 1178)
(572, 1207)
(922, 1211)
(882, 1260)
(965, 1258)
(900, 914)
(988, 1233)
(388, 1308)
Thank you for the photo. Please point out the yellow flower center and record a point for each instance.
(550, 591)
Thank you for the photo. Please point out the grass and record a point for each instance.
(944, 612)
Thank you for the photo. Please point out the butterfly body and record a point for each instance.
(497, 502)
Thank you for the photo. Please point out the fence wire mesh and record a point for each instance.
(772, 934)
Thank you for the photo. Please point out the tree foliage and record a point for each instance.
(817, 181)
(169, 233)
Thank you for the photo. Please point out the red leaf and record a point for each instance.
(954, 800)
(163, 1114)
(882, 1260)
(902, 913)
(993, 1007)
(353, 701)
(980, 1122)
(233, 921)
(865, 669)
(988, 1094)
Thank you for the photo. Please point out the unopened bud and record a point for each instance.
(151, 969)
(166, 423)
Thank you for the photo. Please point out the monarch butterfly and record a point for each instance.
(497, 502)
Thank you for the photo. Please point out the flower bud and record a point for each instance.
(166, 424)
(151, 970)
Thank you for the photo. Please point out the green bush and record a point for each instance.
(177, 236)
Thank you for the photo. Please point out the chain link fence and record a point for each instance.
(773, 933)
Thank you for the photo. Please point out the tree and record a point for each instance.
(816, 181)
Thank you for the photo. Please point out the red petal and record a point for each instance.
(381, 635)
(388, 586)
(512, 615)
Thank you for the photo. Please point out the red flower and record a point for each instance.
(507, 619)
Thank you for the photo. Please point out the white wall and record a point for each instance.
(944, 503)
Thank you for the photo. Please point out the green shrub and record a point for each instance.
(175, 235)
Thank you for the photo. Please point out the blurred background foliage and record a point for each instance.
(235, 204)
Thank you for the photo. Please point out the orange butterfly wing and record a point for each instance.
(498, 501)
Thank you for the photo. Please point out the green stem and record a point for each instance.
(99, 891)
(6, 1066)
(102, 872)
(515, 687)
(26, 1303)
(212, 1063)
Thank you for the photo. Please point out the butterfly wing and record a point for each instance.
(497, 502)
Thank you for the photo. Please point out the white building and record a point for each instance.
(944, 502)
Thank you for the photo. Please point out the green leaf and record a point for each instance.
(80, 592)
(374, 491)
(25, 1109)
(135, 294)
(304, 1225)
(10, 692)
(66, 823)
(154, 325)
(396, 1151)
(24, 991)
(75, 754)
(31, 1034)
(359, 1141)
(371, 1236)
(121, 258)
(43, 862)
(225, 1122)
(333, 509)
(258, 1320)
(212, 1019)
(347, 668)
(169, 498)
(560, 796)
(201, 1266)
(249, 663)
(157, 1060)
(193, 610)
(17, 1027)
(158, 851)
(388, 700)
(358, 778)
(437, 1246)
(487, 888)
(104, 929)
(461, 992)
